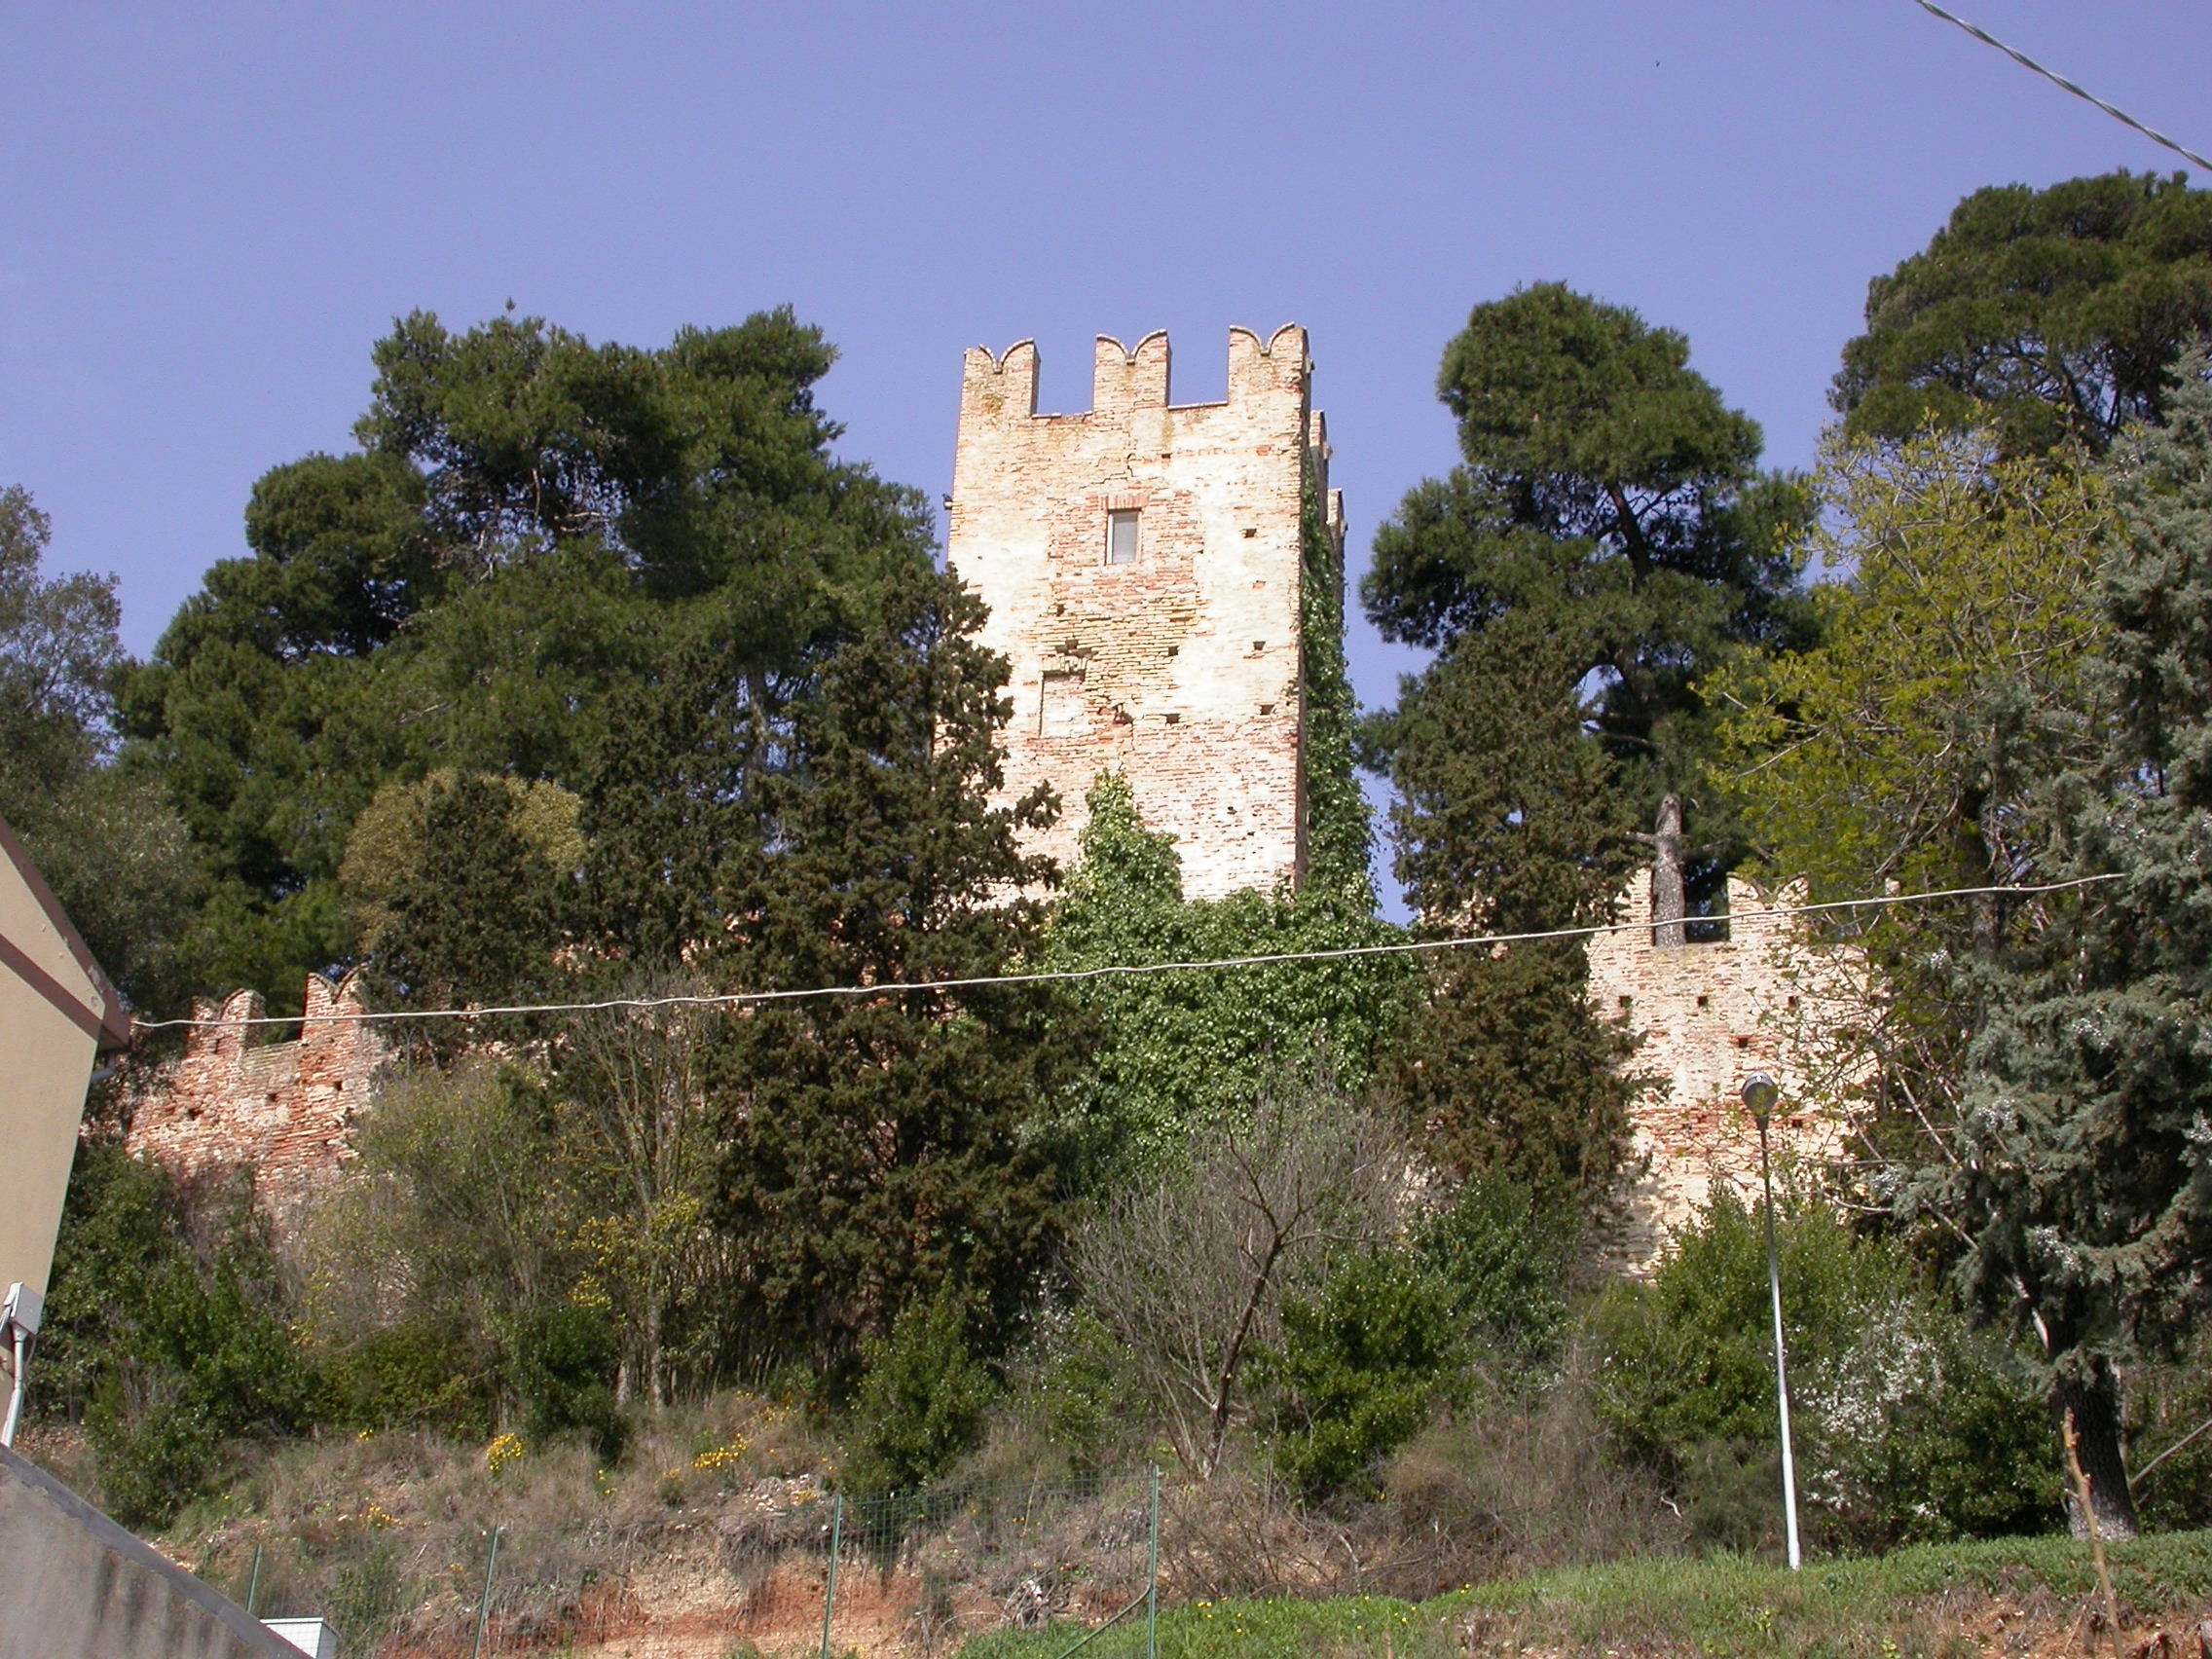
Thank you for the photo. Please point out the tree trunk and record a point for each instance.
(2093, 1398)
(1234, 1358)
(1670, 898)
(656, 1381)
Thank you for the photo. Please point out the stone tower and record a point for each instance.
(1144, 572)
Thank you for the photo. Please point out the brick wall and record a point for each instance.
(1769, 998)
(286, 1107)
(1182, 670)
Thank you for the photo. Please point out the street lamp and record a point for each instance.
(1759, 1094)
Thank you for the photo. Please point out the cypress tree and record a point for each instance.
(2083, 1184)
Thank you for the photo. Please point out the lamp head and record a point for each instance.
(1760, 1092)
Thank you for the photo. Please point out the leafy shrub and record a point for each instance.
(561, 1363)
(456, 1196)
(922, 1401)
(1080, 1394)
(1908, 1423)
(1361, 1365)
(1928, 1430)
(416, 1374)
(1364, 1361)
(1505, 1265)
(166, 1330)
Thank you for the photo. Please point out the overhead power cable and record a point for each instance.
(1108, 971)
(2057, 79)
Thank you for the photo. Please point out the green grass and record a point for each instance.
(1910, 1603)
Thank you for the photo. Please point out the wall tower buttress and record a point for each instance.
(1142, 567)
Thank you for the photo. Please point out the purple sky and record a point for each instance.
(208, 213)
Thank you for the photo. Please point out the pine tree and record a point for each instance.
(2050, 317)
(1611, 510)
(532, 523)
(1607, 541)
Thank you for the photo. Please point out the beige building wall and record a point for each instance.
(1182, 669)
(57, 1012)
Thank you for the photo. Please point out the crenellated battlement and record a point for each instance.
(1125, 378)
(235, 1099)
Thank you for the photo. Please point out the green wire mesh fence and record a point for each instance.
(786, 1571)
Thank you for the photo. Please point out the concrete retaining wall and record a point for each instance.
(74, 1585)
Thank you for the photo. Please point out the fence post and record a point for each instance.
(1152, 1585)
(253, 1583)
(829, 1591)
(484, 1602)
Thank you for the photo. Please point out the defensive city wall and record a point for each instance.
(1144, 568)
(1767, 998)
(285, 1108)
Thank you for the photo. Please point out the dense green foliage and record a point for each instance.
(562, 1360)
(738, 1193)
(454, 1194)
(1339, 840)
(923, 1399)
(2077, 1170)
(1606, 540)
(1910, 747)
(2051, 317)
(102, 836)
(1608, 504)
(1948, 680)
(1179, 1053)
(1362, 1364)
(1907, 1424)
(532, 521)
(167, 1331)
(871, 1148)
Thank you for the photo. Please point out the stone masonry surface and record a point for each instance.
(285, 1108)
(1180, 670)
(1768, 997)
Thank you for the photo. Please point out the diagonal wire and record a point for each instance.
(2057, 79)
(1107, 970)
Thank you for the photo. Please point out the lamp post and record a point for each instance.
(1759, 1094)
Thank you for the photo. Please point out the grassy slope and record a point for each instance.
(1934, 1600)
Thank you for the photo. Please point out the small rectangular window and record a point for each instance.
(1121, 537)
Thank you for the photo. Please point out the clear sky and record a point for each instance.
(208, 212)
